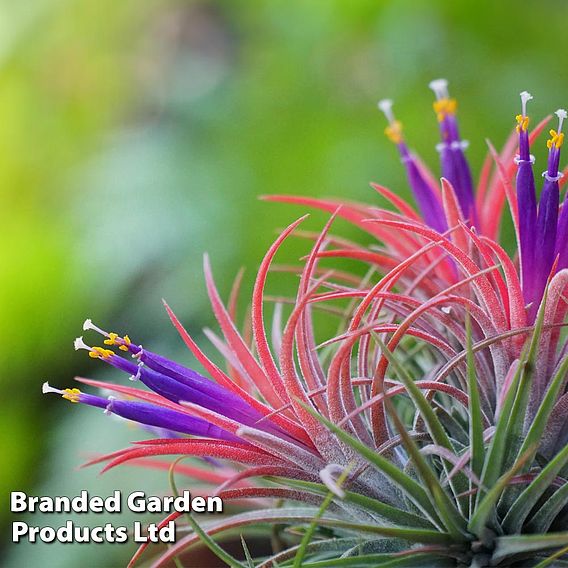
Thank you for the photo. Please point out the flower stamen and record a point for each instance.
(94, 352)
(100, 352)
(126, 342)
(444, 105)
(111, 338)
(394, 129)
(72, 395)
(523, 118)
(557, 136)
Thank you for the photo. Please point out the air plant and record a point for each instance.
(431, 430)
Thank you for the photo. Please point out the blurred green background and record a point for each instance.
(136, 135)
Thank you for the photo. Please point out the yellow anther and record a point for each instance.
(556, 139)
(112, 337)
(127, 342)
(72, 395)
(444, 107)
(522, 122)
(115, 339)
(97, 352)
(394, 132)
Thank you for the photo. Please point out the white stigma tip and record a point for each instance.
(440, 88)
(80, 344)
(562, 115)
(385, 106)
(47, 388)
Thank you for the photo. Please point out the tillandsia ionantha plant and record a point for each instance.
(432, 429)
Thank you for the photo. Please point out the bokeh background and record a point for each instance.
(135, 136)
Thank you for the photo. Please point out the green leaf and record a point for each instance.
(453, 521)
(248, 557)
(548, 561)
(220, 552)
(493, 463)
(511, 417)
(338, 546)
(516, 421)
(545, 408)
(313, 525)
(409, 534)
(485, 509)
(387, 512)
(384, 560)
(528, 498)
(411, 488)
(458, 483)
(507, 546)
(432, 422)
(549, 511)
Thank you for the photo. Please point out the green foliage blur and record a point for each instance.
(135, 136)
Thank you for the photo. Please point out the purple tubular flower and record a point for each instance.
(561, 250)
(547, 218)
(526, 195)
(428, 202)
(148, 414)
(204, 393)
(176, 382)
(455, 167)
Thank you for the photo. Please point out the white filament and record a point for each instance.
(136, 377)
(139, 354)
(108, 409)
